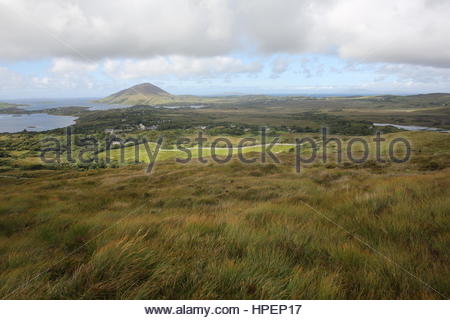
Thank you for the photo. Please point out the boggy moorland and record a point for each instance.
(232, 231)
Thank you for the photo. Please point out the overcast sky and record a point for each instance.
(52, 48)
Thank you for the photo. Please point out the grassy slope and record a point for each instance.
(151, 99)
(230, 231)
(132, 99)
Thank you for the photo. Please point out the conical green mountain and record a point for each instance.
(144, 93)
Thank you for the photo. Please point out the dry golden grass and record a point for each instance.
(230, 231)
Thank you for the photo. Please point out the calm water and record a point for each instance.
(43, 121)
(182, 107)
(33, 122)
(410, 128)
(41, 104)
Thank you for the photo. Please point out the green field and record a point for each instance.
(129, 153)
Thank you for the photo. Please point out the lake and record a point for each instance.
(33, 122)
(41, 104)
(410, 128)
(182, 107)
(42, 121)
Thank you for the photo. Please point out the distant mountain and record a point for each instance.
(151, 95)
(144, 93)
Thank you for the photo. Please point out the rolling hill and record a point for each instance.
(144, 93)
(149, 94)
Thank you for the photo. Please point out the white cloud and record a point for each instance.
(401, 31)
(40, 82)
(279, 66)
(91, 30)
(10, 79)
(65, 65)
(179, 66)
(418, 75)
